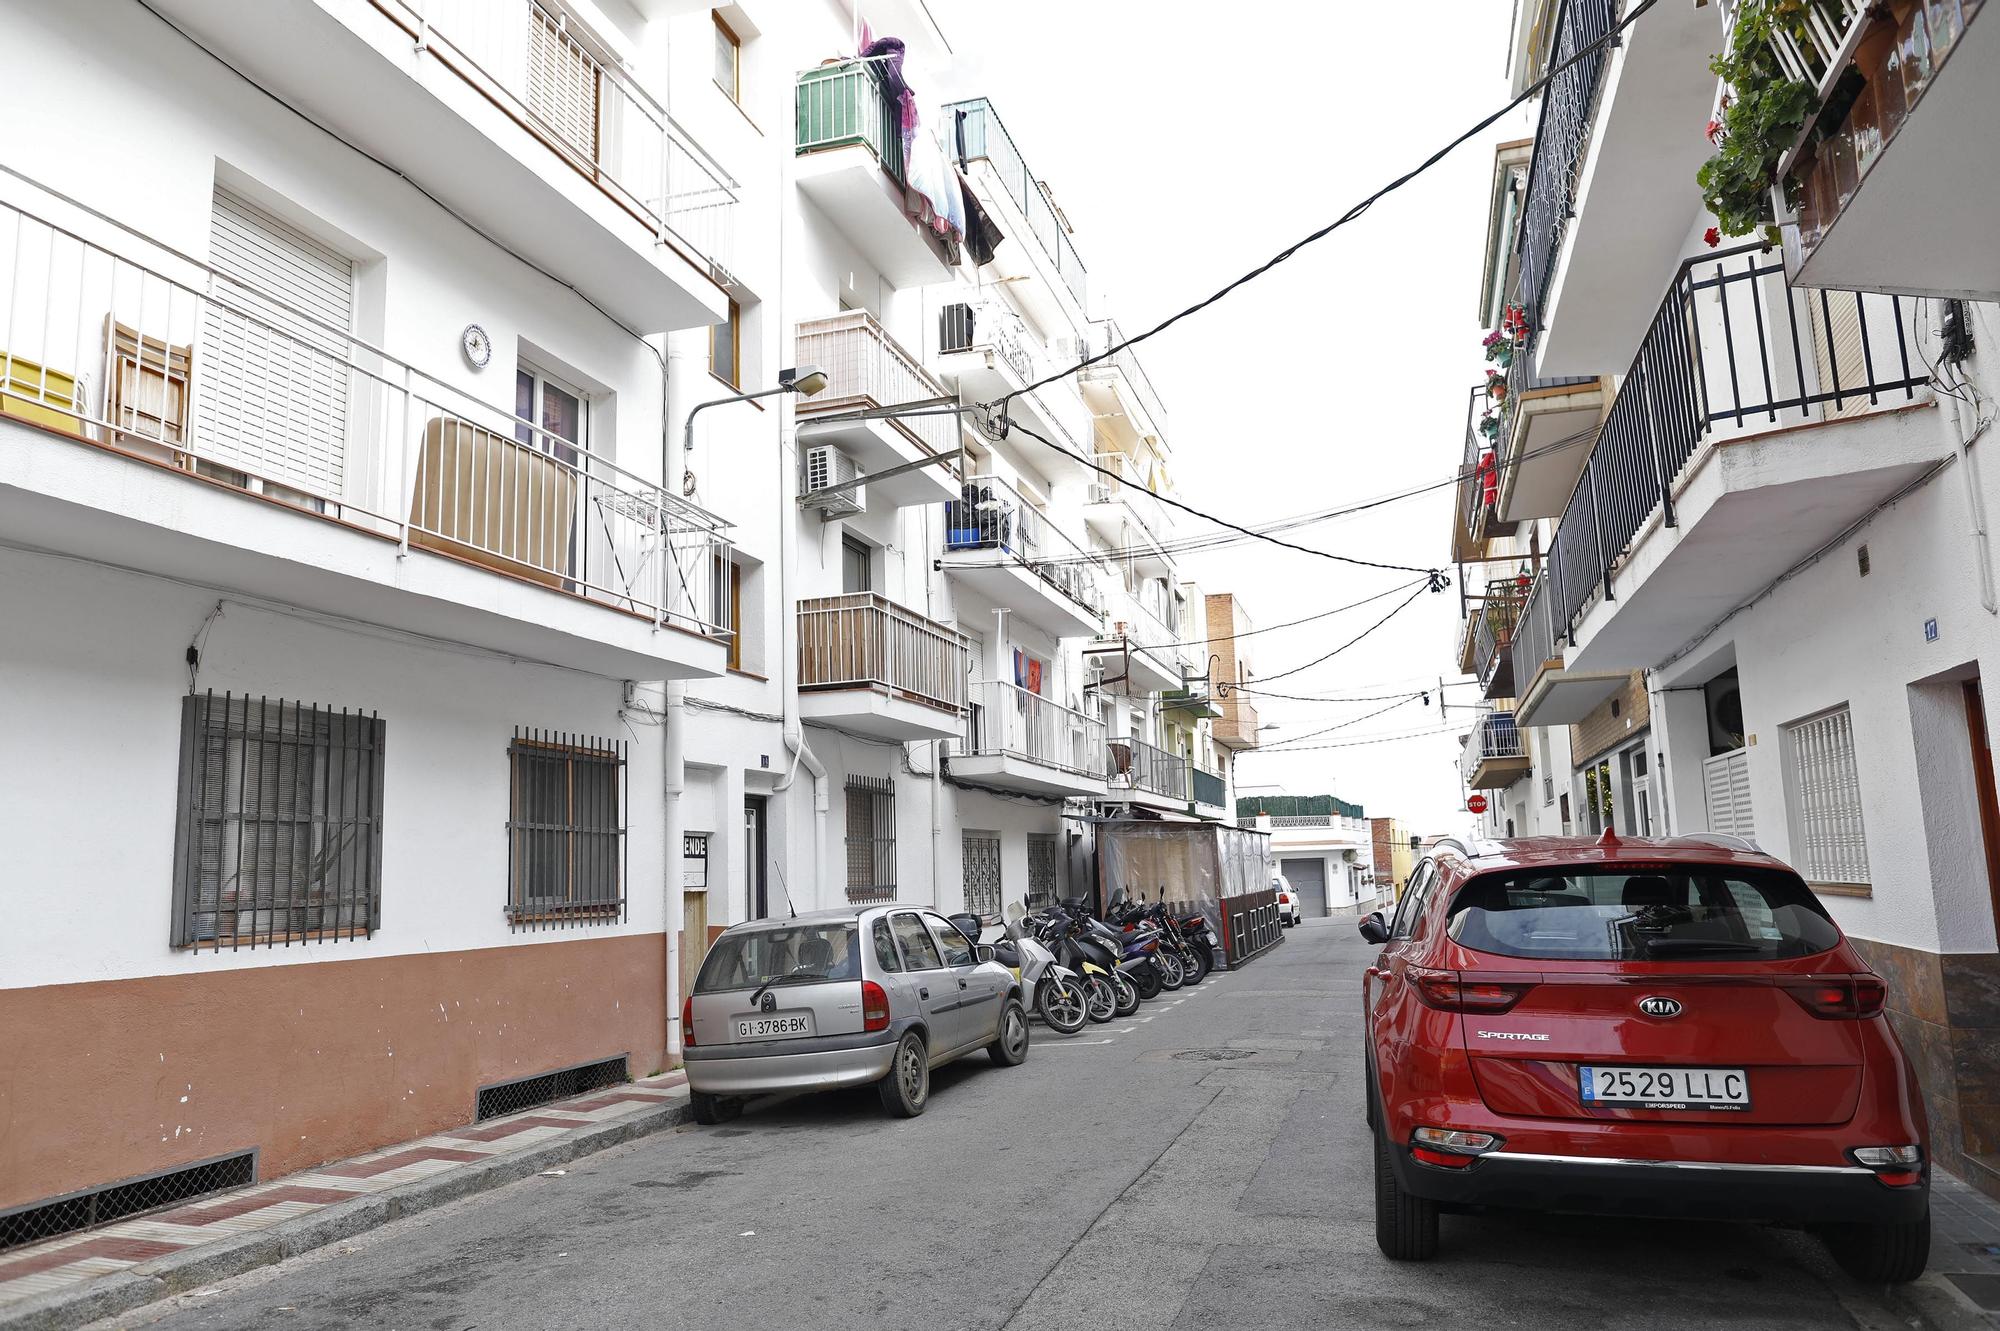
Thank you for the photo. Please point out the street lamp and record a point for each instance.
(806, 380)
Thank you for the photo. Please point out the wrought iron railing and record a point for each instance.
(1495, 736)
(586, 107)
(847, 105)
(862, 640)
(865, 367)
(1562, 136)
(1210, 790)
(188, 366)
(973, 132)
(1493, 631)
(991, 515)
(1008, 719)
(1732, 351)
(991, 326)
(1474, 507)
(1137, 765)
(1535, 636)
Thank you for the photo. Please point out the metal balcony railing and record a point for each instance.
(1008, 719)
(1123, 363)
(1474, 507)
(991, 326)
(1493, 629)
(865, 641)
(847, 105)
(1494, 737)
(580, 101)
(973, 132)
(865, 367)
(1819, 56)
(1137, 765)
(1534, 636)
(1732, 351)
(195, 369)
(1210, 790)
(1562, 136)
(992, 515)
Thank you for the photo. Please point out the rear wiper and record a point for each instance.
(1699, 945)
(799, 973)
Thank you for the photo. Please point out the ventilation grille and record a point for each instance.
(120, 1201)
(511, 1097)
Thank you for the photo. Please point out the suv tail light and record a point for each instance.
(874, 1007)
(1453, 991)
(1839, 997)
(687, 1022)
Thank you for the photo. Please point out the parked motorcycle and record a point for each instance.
(1058, 929)
(1050, 990)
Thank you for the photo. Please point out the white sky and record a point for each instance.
(1188, 141)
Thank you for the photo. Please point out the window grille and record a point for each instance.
(871, 838)
(1043, 871)
(278, 830)
(120, 1201)
(982, 874)
(1828, 842)
(565, 830)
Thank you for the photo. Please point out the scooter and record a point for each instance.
(1050, 990)
(1058, 929)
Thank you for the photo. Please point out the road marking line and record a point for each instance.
(1064, 1044)
(1127, 1030)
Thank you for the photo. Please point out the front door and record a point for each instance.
(1983, 781)
(694, 936)
(856, 567)
(756, 859)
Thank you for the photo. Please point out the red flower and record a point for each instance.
(1714, 131)
(1712, 237)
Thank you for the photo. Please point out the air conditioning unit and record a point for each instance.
(1101, 492)
(827, 466)
(1349, 856)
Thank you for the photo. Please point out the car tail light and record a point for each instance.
(1894, 1166)
(874, 1007)
(1453, 991)
(1450, 1148)
(1840, 997)
(687, 1022)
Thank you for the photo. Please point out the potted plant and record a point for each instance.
(1759, 120)
(1499, 348)
(1496, 385)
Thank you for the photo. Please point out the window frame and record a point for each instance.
(1804, 806)
(539, 436)
(733, 90)
(878, 796)
(606, 814)
(949, 941)
(733, 325)
(1403, 924)
(727, 589)
(891, 962)
(910, 963)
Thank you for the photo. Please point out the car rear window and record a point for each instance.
(792, 954)
(1645, 913)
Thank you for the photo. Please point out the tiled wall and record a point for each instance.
(1602, 730)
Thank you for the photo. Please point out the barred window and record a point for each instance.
(1823, 790)
(565, 830)
(278, 827)
(982, 874)
(871, 838)
(1044, 870)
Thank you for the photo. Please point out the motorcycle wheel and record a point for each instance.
(1062, 1005)
(1149, 984)
(1128, 993)
(1198, 965)
(1103, 998)
(1171, 970)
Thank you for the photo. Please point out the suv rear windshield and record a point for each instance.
(1645, 913)
(792, 954)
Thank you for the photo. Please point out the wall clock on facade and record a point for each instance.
(476, 345)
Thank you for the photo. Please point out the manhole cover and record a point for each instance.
(1214, 1055)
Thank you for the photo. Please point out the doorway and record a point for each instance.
(1981, 740)
(756, 858)
(856, 567)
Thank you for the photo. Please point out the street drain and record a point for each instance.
(1214, 1055)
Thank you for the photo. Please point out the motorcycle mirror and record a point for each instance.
(968, 924)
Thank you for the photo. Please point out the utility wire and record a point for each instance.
(1401, 606)
(1356, 743)
(1286, 745)
(1294, 623)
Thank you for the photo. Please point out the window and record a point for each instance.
(725, 348)
(1823, 792)
(278, 829)
(783, 954)
(566, 830)
(885, 949)
(1044, 869)
(919, 952)
(982, 874)
(1659, 913)
(543, 401)
(562, 83)
(957, 951)
(1412, 904)
(728, 60)
(727, 590)
(871, 838)
(856, 572)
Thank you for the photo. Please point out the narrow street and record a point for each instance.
(1204, 1164)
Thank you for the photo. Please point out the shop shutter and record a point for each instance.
(1727, 780)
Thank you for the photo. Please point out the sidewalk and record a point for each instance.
(78, 1278)
(1962, 1287)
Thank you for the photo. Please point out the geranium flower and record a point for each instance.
(1715, 131)
(1712, 237)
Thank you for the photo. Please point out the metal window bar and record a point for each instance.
(1731, 351)
(279, 823)
(1137, 765)
(511, 1097)
(871, 838)
(975, 133)
(865, 640)
(111, 1202)
(1830, 843)
(161, 360)
(566, 830)
(1044, 870)
(1008, 719)
(991, 514)
(865, 367)
(1562, 137)
(982, 874)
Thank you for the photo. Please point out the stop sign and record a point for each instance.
(1476, 804)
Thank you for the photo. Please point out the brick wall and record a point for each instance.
(1605, 728)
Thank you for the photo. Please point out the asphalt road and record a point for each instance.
(1204, 1164)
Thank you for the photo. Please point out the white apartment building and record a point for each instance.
(1328, 858)
(1761, 589)
(446, 652)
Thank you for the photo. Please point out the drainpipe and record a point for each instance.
(1975, 503)
(788, 670)
(673, 782)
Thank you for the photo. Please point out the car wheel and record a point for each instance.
(1892, 1254)
(1010, 1047)
(709, 1110)
(907, 1088)
(1406, 1227)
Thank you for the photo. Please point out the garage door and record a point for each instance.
(1308, 879)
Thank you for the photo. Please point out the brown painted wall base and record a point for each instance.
(306, 1062)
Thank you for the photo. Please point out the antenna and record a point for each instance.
(787, 888)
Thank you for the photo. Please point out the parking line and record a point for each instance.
(1065, 1044)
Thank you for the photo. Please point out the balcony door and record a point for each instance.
(540, 399)
(857, 567)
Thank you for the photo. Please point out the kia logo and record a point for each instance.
(1659, 1006)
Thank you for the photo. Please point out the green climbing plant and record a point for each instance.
(1761, 116)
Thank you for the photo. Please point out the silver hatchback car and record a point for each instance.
(849, 997)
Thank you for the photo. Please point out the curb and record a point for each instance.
(177, 1273)
(1935, 1304)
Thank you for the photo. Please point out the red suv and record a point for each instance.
(1668, 1028)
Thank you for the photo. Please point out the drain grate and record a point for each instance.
(1214, 1055)
(511, 1097)
(122, 1200)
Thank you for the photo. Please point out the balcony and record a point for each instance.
(872, 666)
(1550, 693)
(1238, 728)
(1493, 637)
(1143, 774)
(516, 117)
(851, 163)
(1018, 740)
(1000, 546)
(159, 414)
(1493, 758)
(1117, 388)
(866, 368)
(1756, 424)
(989, 351)
(1211, 794)
(1478, 485)
(1136, 654)
(1545, 438)
(1899, 94)
(1122, 508)
(983, 148)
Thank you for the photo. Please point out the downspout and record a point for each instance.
(673, 782)
(1975, 503)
